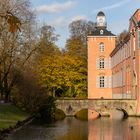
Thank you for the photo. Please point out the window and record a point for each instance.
(101, 32)
(102, 81)
(101, 63)
(102, 47)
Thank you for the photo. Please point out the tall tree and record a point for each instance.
(47, 40)
(80, 29)
(122, 36)
(48, 53)
(65, 73)
(75, 48)
(15, 41)
(78, 53)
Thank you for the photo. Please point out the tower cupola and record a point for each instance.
(101, 20)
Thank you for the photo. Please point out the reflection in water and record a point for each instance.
(67, 129)
(109, 129)
(77, 130)
(103, 128)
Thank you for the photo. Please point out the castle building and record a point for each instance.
(114, 70)
(101, 43)
(126, 64)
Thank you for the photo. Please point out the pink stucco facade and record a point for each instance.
(94, 54)
(126, 64)
(124, 69)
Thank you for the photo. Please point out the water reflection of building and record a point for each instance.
(100, 129)
(114, 70)
(108, 129)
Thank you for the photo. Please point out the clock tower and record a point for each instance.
(101, 20)
(100, 42)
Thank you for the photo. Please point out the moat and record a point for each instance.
(70, 128)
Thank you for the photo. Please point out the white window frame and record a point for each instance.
(102, 47)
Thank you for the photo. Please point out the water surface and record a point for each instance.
(70, 128)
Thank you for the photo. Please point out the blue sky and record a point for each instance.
(59, 13)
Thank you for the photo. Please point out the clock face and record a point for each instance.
(101, 21)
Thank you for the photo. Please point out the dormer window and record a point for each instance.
(101, 32)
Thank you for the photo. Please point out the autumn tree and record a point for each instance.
(76, 50)
(80, 29)
(63, 72)
(47, 48)
(16, 41)
(60, 72)
(122, 36)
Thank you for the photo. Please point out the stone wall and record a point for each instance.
(102, 106)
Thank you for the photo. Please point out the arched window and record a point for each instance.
(102, 47)
(102, 63)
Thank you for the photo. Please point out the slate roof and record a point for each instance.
(101, 32)
(100, 14)
(120, 45)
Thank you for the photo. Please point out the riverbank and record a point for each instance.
(11, 119)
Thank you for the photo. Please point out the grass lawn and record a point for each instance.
(10, 114)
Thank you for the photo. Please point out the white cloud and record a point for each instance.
(116, 5)
(62, 22)
(59, 22)
(56, 7)
(79, 17)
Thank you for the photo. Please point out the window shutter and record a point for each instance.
(109, 63)
(105, 82)
(97, 81)
(112, 82)
(109, 81)
(106, 63)
(97, 63)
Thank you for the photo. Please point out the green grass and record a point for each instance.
(10, 114)
(82, 114)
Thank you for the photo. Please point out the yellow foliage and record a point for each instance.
(62, 71)
(13, 21)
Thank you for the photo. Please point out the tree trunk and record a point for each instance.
(6, 90)
(53, 94)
